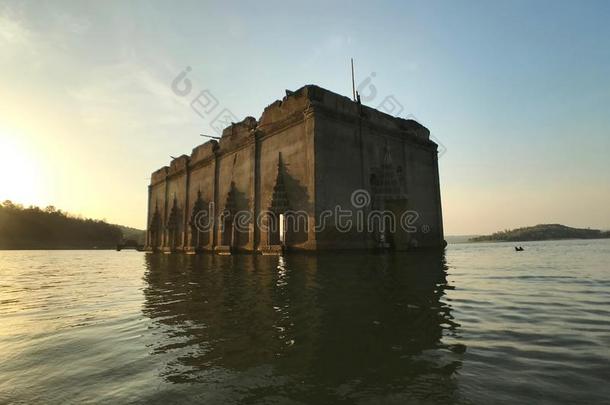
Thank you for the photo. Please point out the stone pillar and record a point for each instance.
(186, 209)
(256, 242)
(148, 217)
(217, 209)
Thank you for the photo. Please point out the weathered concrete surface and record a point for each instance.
(304, 157)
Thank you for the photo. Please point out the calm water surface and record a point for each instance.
(480, 324)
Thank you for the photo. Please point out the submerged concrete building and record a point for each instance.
(317, 171)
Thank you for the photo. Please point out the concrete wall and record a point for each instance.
(351, 141)
(295, 144)
(245, 160)
(202, 166)
(329, 147)
(157, 202)
(237, 167)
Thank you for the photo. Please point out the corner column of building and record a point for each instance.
(185, 214)
(257, 191)
(310, 136)
(215, 215)
(148, 218)
(165, 236)
(251, 245)
(438, 200)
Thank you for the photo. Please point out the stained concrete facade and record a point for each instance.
(300, 165)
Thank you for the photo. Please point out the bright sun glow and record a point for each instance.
(19, 172)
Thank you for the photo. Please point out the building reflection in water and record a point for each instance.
(315, 327)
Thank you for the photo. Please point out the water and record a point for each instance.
(481, 324)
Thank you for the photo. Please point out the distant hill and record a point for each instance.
(50, 228)
(542, 232)
(133, 234)
(452, 239)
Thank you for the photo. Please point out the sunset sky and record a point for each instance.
(517, 92)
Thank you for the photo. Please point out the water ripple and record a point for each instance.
(490, 327)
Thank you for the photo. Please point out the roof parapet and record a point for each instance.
(237, 133)
(159, 175)
(292, 103)
(203, 152)
(178, 164)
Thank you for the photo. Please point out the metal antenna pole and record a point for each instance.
(353, 82)
(210, 136)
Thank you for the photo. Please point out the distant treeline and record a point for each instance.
(50, 228)
(543, 232)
